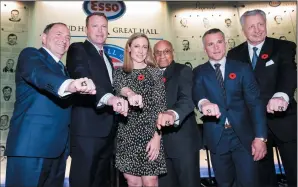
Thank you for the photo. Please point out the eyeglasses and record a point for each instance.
(165, 52)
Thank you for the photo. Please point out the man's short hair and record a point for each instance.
(95, 14)
(14, 10)
(185, 41)
(49, 26)
(12, 34)
(7, 117)
(6, 87)
(252, 13)
(212, 31)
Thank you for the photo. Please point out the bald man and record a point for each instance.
(181, 135)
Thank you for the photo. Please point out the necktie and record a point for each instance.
(220, 79)
(254, 57)
(101, 53)
(61, 67)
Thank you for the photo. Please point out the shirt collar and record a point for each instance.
(96, 47)
(222, 62)
(52, 55)
(259, 46)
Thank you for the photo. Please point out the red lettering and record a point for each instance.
(101, 7)
(93, 5)
(115, 7)
(108, 7)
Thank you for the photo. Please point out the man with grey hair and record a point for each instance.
(273, 62)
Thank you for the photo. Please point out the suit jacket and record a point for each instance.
(39, 125)
(281, 76)
(83, 60)
(184, 138)
(242, 106)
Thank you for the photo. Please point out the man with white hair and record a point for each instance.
(273, 62)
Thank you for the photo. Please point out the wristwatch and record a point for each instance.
(262, 139)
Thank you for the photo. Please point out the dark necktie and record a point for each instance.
(254, 58)
(61, 67)
(101, 53)
(220, 79)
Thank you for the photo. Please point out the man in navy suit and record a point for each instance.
(274, 66)
(37, 144)
(226, 92)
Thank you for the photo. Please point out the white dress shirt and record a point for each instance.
(259, 46)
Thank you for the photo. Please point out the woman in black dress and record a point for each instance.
(139, 152)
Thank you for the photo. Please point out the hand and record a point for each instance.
(153, 147)
(277, 104)
(119, 105)
(135, 99)
(166, 118)
(82, 85)
(259, 149)
(210, 109)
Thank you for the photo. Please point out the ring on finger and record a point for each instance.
(280, 108)
(119, 104)
(167, 122)
(209, 111)
(84, 83)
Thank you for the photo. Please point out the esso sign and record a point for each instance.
(112, 9)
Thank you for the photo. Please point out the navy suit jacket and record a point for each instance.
(39, 125)
(242, 106)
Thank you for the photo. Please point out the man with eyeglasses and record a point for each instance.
(181, 135)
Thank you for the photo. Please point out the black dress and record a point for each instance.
(138, 128)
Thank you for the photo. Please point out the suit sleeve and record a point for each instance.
(77, 66)
(253, 100)
(33, 69)
(287, 76)
(184, 105)
(198, 89)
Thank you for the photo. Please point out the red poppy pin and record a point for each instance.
(141, 77)
(164, 79)
(264, 56)
(232, 75)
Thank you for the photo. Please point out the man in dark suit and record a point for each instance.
(273, 63)
(182, 141)
(37, 143)
(92, 122)
(227, 94)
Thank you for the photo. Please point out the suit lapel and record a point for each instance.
(266, 51)
(97, 61)
(228, 82)
(51, 63)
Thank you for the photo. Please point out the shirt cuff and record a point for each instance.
(104, 99)
(283, 95)
(176, 117)
(200, 102)
(64, 85)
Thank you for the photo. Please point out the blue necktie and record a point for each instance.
(254, 58)
(61, 67)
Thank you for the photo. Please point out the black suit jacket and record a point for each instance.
(186, 137)
(280, 76)
(83, 60)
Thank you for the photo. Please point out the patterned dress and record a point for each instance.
(139, 127)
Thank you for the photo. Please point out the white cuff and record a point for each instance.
(176, 117)
(64, 85)
(200, 102)
(283, 95)
(104, 99)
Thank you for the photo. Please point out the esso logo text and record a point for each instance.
(112, 9)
